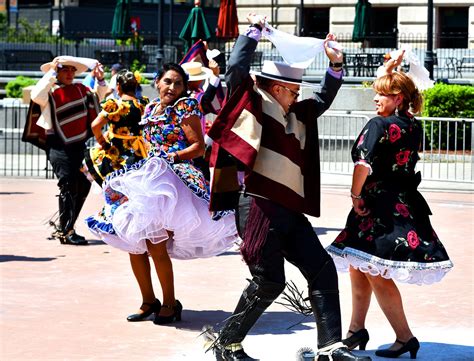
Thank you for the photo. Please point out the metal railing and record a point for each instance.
(445, 154)
(447, 61)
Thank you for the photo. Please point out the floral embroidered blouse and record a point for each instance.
(163, 132)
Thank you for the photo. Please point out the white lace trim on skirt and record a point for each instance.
(158, 201)
(401, 271)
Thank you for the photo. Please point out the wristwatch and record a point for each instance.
(336, 65)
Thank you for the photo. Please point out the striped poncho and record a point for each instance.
(280, 153)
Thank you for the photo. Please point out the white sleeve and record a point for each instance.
(39, 94)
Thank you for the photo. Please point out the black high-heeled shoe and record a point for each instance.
(154, 307)
(359, 338)
(412, 346)
(175, 316)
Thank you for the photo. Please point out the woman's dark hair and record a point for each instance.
(128, 82)
(177, 68)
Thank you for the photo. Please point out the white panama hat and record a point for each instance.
(283, 72)
(81, 64)
(196, 71)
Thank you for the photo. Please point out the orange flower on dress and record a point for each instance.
(110, 106)
(113, 153)
(124, 108)
(123, 131)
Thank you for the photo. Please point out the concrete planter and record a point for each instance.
(350, 98)
(27, 94)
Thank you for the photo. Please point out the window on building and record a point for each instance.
(452, 31)
(383, 27)
(316, 22)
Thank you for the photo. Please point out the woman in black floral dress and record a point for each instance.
(388, 235)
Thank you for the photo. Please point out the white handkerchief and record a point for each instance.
(297, 51)
(419, 74)
(211, 54)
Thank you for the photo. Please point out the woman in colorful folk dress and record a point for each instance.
(388, 235)
(158, 206)
(123, 143)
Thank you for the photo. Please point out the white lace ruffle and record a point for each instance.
(405, 272)
(158, 201)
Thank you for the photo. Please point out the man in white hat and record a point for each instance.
(67, 110)
(275, 141)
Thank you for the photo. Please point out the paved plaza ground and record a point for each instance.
(61, 302)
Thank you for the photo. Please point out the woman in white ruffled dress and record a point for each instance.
(158, 206)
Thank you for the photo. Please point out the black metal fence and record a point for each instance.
(449, 62)
(363, 61)
(17, 158)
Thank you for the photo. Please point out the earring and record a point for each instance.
(396, 111)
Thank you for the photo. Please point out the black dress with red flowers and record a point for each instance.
(396, 239)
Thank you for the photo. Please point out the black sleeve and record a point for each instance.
(310, 109)
(239, 61)
(207, 98)
(324, 98)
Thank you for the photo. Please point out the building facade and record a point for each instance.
(391, 20)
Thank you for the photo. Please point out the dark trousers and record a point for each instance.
(73, 184)
(291, 237)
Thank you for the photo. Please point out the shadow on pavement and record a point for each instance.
(95, 242)
(275, 323)
(12, 257)
(13, 193)
(228, 253)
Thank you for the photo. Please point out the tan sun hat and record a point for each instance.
(81, 64)
(196, 71)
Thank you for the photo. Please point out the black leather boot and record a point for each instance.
(327, 312)
(66, 208)
(326, 309)
(255, 299)
(233, 355)
(73, 238)
(232, 352)
(339, 352)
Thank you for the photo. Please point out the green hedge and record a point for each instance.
(449, 101)
(15, 87)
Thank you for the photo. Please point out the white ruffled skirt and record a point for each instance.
(148, 201)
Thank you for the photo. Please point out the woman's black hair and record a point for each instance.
(128, 82)
(177, 68)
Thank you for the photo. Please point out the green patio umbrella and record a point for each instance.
(362, 20)
(121, 22)
(195, 28)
